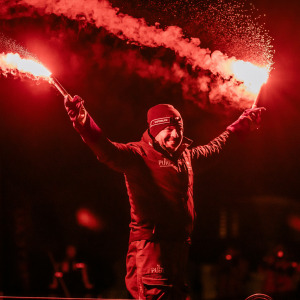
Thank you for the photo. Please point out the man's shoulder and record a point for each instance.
(141, 147)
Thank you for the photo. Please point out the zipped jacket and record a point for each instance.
(159, 186)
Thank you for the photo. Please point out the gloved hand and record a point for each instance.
(248, 121)
(75, 109)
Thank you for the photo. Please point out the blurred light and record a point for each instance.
(294, 264)
(280, 253)
(80, 266)
(88, 219)
(58, 274)
(228, 257)
(294, 222)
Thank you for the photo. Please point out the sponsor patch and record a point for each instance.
(165, 120)
(164, 163)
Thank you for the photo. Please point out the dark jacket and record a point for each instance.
(159, 186)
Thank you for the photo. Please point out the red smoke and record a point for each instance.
(137, 31)
(218, 82)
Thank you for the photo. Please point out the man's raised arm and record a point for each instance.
(115, 155)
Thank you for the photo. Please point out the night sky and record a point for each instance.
(48, 174)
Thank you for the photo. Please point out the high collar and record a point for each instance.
(148, 139)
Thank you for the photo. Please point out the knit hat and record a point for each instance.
(162, 115)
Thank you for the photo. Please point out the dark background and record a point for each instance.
(48, 174)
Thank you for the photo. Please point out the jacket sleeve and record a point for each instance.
(117, 156)
(206, 154)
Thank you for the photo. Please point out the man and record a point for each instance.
(159, 179)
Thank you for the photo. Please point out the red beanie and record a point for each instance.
(162, 115)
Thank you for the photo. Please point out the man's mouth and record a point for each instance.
(172, 142)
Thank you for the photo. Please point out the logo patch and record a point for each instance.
(166, 120)
(157, 270)
(164, 163)
(160, 121)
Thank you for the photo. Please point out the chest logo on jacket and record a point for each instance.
(164, 163)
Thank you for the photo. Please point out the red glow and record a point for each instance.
(294, 222)
(280, 253)
(88, 219)
(294, 264)
(80, 265)
(228, 257)
(58, 274)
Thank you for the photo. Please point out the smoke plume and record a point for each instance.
(216, 80)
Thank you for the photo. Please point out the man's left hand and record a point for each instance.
(248, 121)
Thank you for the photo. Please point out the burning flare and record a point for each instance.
(252, 76)
(11, 62)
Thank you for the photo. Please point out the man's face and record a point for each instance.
(170, 138)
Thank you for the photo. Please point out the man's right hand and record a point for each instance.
(75, 108)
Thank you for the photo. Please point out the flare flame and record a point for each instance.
(12, 62)
(252, 76)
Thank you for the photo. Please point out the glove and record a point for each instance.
(75, 109)
(248, 121)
